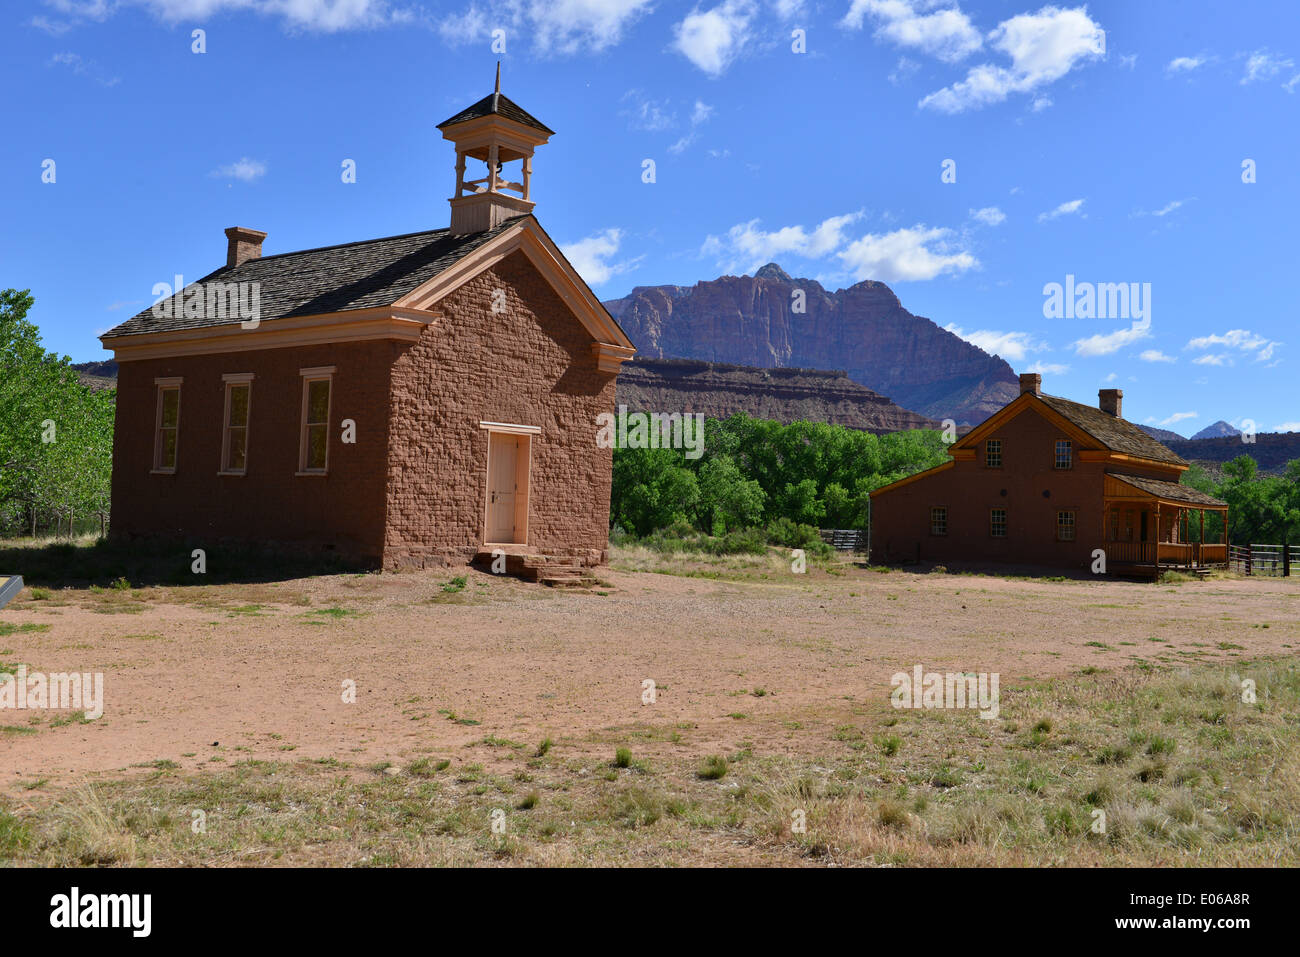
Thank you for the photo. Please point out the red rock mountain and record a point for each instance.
(863, 330)
(784, 395)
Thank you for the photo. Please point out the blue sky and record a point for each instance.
(1104, 142)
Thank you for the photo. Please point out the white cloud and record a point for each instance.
(1128, 60)
(555, 26)
(1235, 338)
(1176, 418)
(567, 26)
(947, 34)
(1212, 360)
(1291, 84)
(1103, 344)
(712, 39)
(1155, 355)
(746, 246)
(1070, 208)
(1042, 46)
(918, 253)
(1185, 64)
(701, 113)
(904, 71)
(1287, 427)
(1012, 346)
(321, 16)
(912, 254)
(590, 256)
(244, 169)
(647, 114)
(989, 215)
(1241, 339)
(83, 67)
(1261, 65)
(1111, 377)
(1041, 102)
(1048, 368)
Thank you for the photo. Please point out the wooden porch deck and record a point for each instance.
(1142, 558)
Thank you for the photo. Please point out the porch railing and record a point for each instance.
(1171, 553)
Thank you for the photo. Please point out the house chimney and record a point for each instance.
(1031, 382)
(1111, 400)
(243, 245)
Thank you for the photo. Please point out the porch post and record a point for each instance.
(1200, 540)
(1157, 541)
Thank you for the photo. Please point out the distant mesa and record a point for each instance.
(1218, 430)
(719, 390)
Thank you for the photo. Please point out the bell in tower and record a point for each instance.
(494, 131)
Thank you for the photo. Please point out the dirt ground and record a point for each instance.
(201, 676)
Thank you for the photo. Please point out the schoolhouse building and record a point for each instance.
(413, 400)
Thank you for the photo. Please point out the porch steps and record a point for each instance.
(550, 570)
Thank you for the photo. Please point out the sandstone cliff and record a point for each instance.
(863, 329)
(786, 395)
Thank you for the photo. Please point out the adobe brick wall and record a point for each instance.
(343, 510)
(900, 519)
(530, 364)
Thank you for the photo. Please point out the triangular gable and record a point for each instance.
(1026, 401)
(611, 344)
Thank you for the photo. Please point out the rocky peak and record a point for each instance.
(773, 271)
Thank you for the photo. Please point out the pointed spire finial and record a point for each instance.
(498, 89)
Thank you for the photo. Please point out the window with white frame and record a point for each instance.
(314, 443)
(167, 423)
(1065, 526)
(993, 454)
(998, 523)
(234, 437)
(1064, 453)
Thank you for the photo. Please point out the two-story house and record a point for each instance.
(1051, 482)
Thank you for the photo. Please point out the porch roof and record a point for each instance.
(1171, 492)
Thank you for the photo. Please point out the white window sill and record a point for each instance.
(321, 472)
(233, 474)
(162, 471)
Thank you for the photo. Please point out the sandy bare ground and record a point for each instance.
(202, 676)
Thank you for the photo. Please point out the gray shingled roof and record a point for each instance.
(1118, 435)
(1169, 490)
(373, 272)
(501, 105)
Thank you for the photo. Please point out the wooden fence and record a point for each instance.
(845, 539)
(1263, 559)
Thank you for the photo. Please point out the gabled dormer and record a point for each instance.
(1083, 434)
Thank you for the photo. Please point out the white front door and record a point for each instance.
(507, 489)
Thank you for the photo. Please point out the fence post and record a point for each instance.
(1250, 559)
(1286, 557)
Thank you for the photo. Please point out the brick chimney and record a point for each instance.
(244, 244)
(1031, 382)
(1111, 400)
